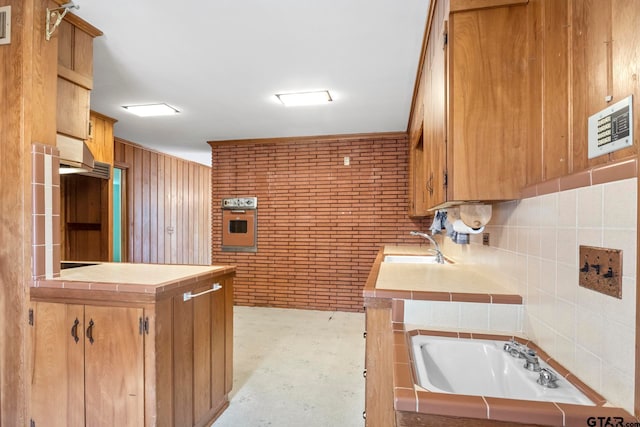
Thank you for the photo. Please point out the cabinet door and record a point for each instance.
(75, 53)
(488, 103)
(437, 141)
(114, 367)
(199, 345)
(72, 116)
(100, 140)
(57, 380)
(418, 184)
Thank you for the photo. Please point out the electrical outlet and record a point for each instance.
(485, 239)
(5, 25)
(600, 270)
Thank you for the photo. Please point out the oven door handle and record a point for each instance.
(238, 211)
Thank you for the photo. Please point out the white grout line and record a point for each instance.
(48, 217)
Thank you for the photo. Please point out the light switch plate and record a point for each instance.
(600, 270)
(5, 25)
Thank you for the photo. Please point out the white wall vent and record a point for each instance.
(5, 25)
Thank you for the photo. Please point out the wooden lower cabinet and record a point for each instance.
(379, 409)
(129, 364)
(199, 352)
(94, 380)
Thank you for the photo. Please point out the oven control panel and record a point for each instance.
(240, 203)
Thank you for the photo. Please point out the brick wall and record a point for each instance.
(320, 223)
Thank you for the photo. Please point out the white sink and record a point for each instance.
(411, 259)
(481, 368)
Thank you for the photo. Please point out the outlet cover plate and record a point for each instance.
(600, 270)
(5, 25)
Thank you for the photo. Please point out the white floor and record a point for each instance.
(296, 368)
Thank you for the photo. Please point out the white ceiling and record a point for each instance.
(220, 62)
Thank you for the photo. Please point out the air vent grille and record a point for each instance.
(100, 170)
(5, 25)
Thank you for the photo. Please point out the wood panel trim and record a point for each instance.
(423, 51)
(81, 23)
(466, 5)
(75, 77)
(637, 347)
(104, 117)
(151, 150)
(317, 138)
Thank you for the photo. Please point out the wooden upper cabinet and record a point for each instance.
(75, 75)
(417, 178)
(435, 129)
(72, 115)
(476, 104)
(75, 50)
(427, 138)
(487, 120)
(100, 140)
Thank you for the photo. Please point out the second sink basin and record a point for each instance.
(411, 259)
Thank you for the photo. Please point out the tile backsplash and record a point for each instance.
(464, 316)
(535, 244)
(45, 184)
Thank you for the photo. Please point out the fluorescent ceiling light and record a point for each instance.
(150, 110)
(305, 98)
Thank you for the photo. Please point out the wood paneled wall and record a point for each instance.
(27, 115)
(168, 206)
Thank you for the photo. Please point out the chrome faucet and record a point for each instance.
(515, 349)
(531, 360)
(547, 378)
(439, 257)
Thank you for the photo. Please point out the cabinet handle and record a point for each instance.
(364, 335)
(364, 415)
(430, 184)
(90, 331)
(364, 373)
(74, 330)
(188, 295)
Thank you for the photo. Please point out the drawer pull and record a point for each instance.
(188, 295)
(74, 330)
(90, 332)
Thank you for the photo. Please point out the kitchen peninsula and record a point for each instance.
(132, 345)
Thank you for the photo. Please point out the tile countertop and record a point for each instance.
(438, 282)
(149, 279)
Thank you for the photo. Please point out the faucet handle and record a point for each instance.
(513, 347)
(547, 378)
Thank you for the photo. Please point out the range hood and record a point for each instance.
(75, 156)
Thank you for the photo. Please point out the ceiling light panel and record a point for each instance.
(305, 98)
(151, 110)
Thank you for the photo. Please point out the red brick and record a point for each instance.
(320, 223)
